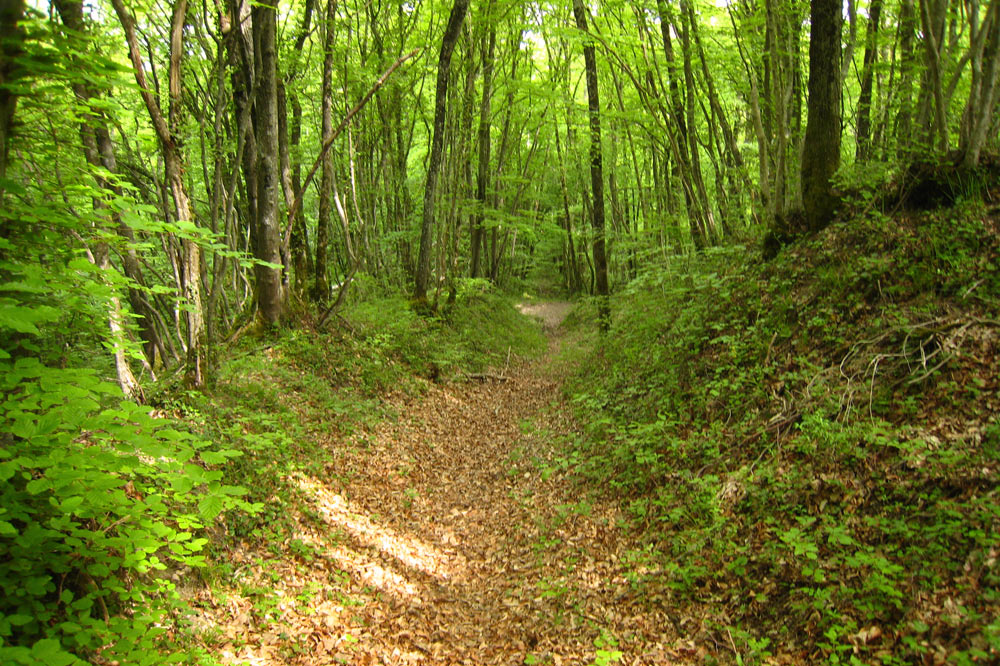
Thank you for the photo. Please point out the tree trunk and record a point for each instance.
(907, 69)
(99, 152)
(983, 94)
(11, 12)
(596, 169)
(680, 139)
(270, 291)
(291, 165)
(932, 22)
(482, 171)
(451, 34)
(173, 160)
(863, 136)
(320, 286)
(707, 230)
(821, 155)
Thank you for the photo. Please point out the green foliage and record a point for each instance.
(104, 504)
(100, 504)
(789, 451)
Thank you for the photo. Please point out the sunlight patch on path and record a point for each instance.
(551, 313)
(407, 550)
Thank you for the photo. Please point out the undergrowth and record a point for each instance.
(104, 504)
(809, 447)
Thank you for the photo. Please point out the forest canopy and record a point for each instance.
(217, 163)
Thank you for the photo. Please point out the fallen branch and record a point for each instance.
(483, 376)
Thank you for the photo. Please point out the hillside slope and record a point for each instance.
(809, 447)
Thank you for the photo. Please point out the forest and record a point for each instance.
(499, 332)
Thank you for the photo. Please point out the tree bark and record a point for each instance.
(680, 140)
(980, 108)
(821, 155)
(99, 152)
(596, 169)
(173, 160)
(451, 33)
(863, 137)
(270, 290)
(907, 69)
(757, 122)
(11, 12)
(707, 229)
(482, 171)
(320, 286)
(932, 22)
(289, 137)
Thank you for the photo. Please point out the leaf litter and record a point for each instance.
(449, 535)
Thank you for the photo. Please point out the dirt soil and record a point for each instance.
(453, 535)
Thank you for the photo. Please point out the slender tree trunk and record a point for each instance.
(907, 70)
(99, 152)
(482, 171)
(572, 266)
(932, 25)
(320, 286)
(980, 109)
(757, 123)
(706, 217)
(11, 12)
(732, 148)
(243, 81)
(99, 254)
(452, 31)
(863, 136)
(270, 290)
(777, 76)
(821, 155)
(680, 140)
(190, 264)
(596, 169)
(290, 134)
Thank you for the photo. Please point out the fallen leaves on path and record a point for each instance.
(449, 536)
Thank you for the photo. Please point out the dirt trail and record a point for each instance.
(452, 536)
(551, 313)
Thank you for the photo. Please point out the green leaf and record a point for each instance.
(48, 651)
(19, 319)
(70, 503)
(210, 506)
(181, 484)
(213, 457)
(70, 627)
(81, 264)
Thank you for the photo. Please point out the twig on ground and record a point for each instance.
(483, 376)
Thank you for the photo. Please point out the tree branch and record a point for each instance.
(297, 202)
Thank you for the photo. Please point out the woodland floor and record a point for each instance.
(450, 536)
